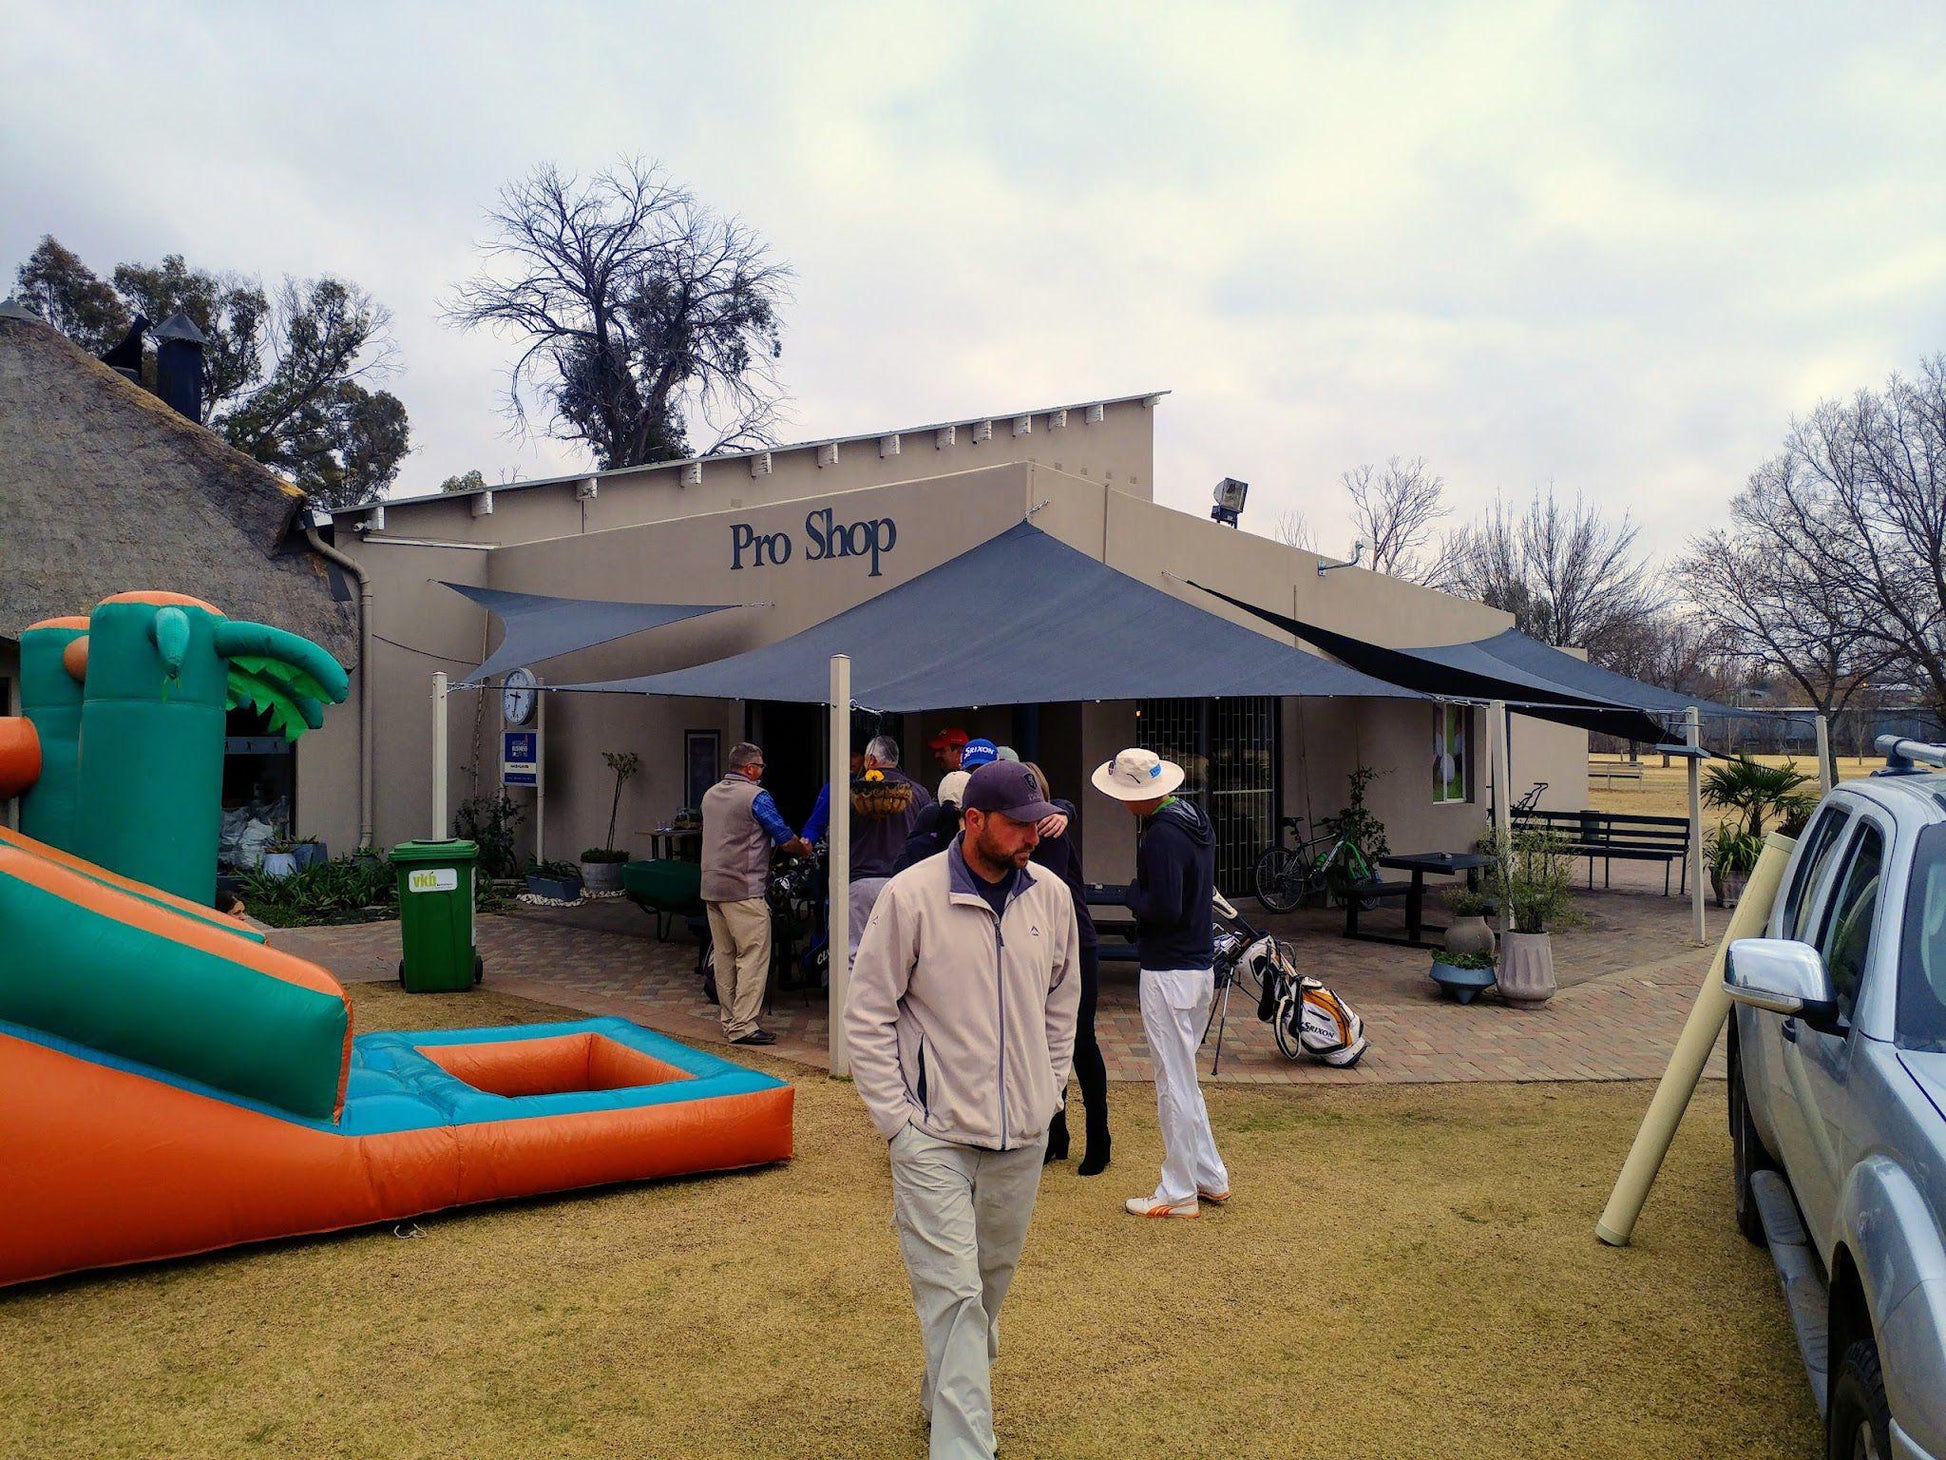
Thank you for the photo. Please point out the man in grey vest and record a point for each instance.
(740, 826)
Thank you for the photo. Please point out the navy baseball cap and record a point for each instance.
(1009, 789)
(976, 753)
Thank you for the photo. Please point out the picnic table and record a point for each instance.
(675, 843)
(1419, 864)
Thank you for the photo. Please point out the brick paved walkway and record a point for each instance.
(1628, 977)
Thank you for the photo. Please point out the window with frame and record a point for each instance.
(1846, 939)
(1451, 778)
(1821, 843)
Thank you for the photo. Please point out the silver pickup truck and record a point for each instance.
(1838, 1099)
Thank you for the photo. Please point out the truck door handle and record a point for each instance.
(1790, 1030)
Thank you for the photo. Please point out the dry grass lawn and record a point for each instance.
(1664, 790)
(1407, 1271)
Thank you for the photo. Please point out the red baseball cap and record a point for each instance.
(948, 737)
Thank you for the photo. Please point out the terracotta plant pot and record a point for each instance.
(1470, 935)
(1526, 969)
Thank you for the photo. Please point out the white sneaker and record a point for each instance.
(1148, 1206)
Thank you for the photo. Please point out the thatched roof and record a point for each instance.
(104, 489)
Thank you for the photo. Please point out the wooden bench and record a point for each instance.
(1613, 771)
(1605, 836)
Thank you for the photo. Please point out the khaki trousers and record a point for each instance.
(740, 933)
(961, 1214)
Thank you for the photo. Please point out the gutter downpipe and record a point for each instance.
(330, 554)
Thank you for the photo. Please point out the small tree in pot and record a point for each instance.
(1532, 875)
(601, 867)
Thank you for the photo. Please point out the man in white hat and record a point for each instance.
(1175, 876)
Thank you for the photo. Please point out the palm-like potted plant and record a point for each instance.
(1730, 855)
(601, 867)
(1533, 876)
(1757, 792)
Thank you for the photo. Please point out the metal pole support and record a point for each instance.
(838, 863)
(439, 822)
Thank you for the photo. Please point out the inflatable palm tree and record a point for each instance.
(156, 673)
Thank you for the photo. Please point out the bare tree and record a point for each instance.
(1860, 487)
(645, 320)
(1393, 509)
(1568, 575)
(1293, 529)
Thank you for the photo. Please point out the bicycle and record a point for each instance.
(1289, 876)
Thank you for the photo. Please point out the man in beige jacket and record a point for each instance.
(960, 1022)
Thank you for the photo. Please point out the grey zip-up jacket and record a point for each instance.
(958, 1021)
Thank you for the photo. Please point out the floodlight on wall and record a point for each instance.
(1230, 495)
(587, 489)
(1357, 551)
(374, 521)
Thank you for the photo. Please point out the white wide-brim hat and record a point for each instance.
(1138, 775)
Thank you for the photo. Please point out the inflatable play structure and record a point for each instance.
(170, 1084)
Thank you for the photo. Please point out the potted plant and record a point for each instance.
(1730, 855)
(1757, 792)
(280, 858)
(1359, 825)
(556, 881)
(1533, 876)
(1468, 932)
(310, 852)
(601, 867)
(1463, 975)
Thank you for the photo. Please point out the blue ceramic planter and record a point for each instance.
(561, 889)
(1464, 984)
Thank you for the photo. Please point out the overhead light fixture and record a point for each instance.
(1229, 495)
(1357, 552)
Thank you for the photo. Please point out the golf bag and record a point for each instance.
(1306, 1017)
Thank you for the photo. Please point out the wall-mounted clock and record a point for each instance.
(517, 697)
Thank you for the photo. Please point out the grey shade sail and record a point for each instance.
(1021, 619)
(539, 627)
(1534, 678)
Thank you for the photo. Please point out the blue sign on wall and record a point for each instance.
(520, 757)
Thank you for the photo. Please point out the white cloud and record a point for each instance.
(1614, 247)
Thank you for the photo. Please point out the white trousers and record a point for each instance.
(961, 1214)
(864, 896)
(1175, 1007)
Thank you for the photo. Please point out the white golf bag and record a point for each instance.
(1307, 1017)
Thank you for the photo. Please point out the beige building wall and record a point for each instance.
(648, 539)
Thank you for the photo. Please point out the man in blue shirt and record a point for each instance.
(740, 826)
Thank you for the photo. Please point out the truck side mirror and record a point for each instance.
(1783, 976)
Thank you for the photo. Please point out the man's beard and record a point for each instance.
(998, 856)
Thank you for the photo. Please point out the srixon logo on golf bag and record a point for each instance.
(825, 538)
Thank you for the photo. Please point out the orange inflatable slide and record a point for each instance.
(170, 1084)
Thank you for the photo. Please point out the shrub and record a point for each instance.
(490, 822)
(1464, 960)
(604, 854)
(1533, 876)
(1463, 902)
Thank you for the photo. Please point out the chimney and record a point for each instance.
(179, 366)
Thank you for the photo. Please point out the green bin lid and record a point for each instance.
(452, 849)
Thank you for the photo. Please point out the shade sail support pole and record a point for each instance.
(838, 864)
(1503, 811)
(439, 755)
(1827, 768)
(1693, 735)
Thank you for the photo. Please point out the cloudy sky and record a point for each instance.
(1610, 246)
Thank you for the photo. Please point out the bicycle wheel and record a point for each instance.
(1279, 877)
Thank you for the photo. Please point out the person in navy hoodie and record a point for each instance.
(1171, 900)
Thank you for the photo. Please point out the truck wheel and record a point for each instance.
(1748, 1154)
(1861, 1419)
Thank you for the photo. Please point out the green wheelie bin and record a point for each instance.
(436, 916)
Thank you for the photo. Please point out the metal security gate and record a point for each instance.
(1228, 751)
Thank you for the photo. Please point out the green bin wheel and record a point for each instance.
(401, 973)
(479, 968)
